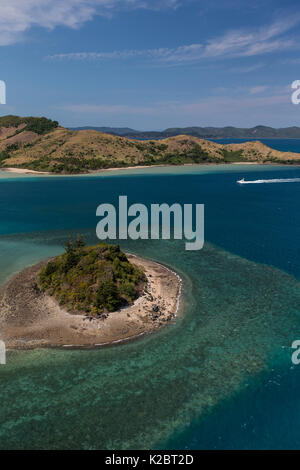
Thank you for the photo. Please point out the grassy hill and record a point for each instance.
(93, 279)
(41, 144)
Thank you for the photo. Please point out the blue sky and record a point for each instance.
(151, 64)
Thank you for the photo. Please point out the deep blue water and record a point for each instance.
(258, 222)
(266, 416)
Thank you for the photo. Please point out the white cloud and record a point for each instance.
(18, 16)
(232, 44)
(270, 107)
(247, 68)
(258, 89)
(108, 109)
(211, 104)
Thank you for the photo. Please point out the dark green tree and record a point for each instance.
(107, 296)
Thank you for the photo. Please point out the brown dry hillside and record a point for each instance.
(40, 144)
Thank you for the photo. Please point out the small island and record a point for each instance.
(89, 296)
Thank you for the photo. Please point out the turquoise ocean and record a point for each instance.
(221, 377)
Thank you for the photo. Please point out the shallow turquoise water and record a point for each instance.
(239, 318)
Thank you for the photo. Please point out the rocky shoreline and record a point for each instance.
(31, 319)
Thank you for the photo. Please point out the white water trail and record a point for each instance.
(282, 180)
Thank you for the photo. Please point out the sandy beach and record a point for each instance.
(24, 171)
(30, 319)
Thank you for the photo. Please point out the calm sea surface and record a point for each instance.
(222, 376)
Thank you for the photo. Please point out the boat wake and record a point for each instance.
(281, 180)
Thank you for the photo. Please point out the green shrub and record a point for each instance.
(92, 279)
(231, 156)
(107, 296)
(4, 156)
(39, 125)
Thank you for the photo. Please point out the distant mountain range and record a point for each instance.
(258, 132)
(107, 130)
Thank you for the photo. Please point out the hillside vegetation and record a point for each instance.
(39, 125)
(40, 144)
(92, 280)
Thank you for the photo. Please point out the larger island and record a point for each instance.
(40, 144)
